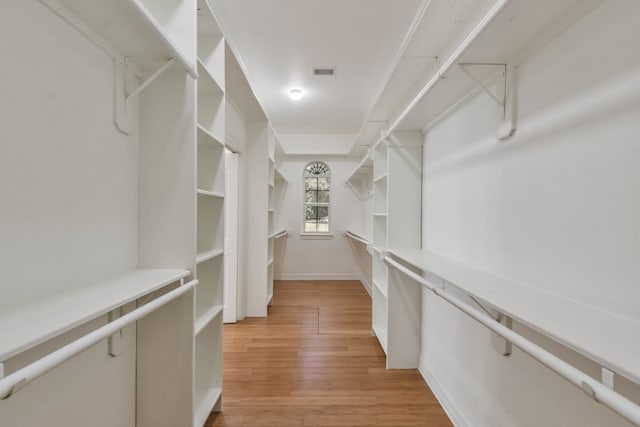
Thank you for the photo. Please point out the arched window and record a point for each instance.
(317, 189)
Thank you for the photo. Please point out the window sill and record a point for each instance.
(316, 236)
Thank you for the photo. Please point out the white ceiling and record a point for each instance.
(280, 41)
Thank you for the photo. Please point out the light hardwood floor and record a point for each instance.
(313, 362)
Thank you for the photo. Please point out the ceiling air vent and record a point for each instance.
(323, 71)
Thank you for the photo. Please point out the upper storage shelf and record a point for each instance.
(211, 44)
(510, 32)
(141, 30)
(612, 341)
(361, 179)
(29, 323)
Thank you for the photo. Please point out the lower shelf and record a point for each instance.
(26, 324)
(205, 405)
(381, 334)
(206, 317)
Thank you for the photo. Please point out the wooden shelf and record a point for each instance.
(205, 256)
(207, 316)
(606, 338)
(127, 25)
(27, 324)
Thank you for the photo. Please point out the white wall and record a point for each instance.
(556, 207)
(69, 208)
(328, 259)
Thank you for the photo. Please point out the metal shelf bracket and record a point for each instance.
(503, 95)
(501, 345)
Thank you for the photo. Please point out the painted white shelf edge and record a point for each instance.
(280, 233)
(207, 317)
(361, 234)
(608, 339)
(204, 407)
(204, 136)
(205, 256)
(127, 25)
(210, 194)
(27, 324)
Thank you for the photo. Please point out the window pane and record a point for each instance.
(323, 183)
(310, 226)
(310, 183)
(323, 196)
(311, 213)
(323, 213)
(311, 196)
(323, 228)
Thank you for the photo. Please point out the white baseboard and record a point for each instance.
(449, 406)
(317, 276)
(365, 284)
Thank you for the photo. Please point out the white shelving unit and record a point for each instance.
(277, 187)
(511, 32)
(397, 173)
(116, 227)
(210, 216)
(360, 180)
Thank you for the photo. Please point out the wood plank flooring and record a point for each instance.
(313, 362)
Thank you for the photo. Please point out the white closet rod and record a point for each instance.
(453, 58)
(355, 237)
(594, 389)
(281, 234)
(13, 383)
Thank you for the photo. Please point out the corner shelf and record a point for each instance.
(67, 309)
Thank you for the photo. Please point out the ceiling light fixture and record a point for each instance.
(295, 94)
